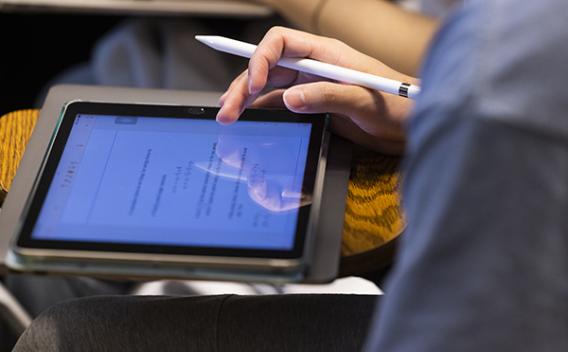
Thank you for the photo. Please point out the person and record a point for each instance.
(483, 264)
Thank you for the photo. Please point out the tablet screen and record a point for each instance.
(171, 181)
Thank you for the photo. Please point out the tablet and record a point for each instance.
(147, 184)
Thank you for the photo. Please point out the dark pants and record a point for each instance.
(203, 323)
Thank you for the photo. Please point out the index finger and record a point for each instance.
(285, 42)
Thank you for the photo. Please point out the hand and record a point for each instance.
(365, 116)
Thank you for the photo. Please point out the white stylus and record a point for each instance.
(318, 68)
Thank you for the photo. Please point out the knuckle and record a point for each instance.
(335, 49)
(328, 94)
(273, 55)
(276, 30)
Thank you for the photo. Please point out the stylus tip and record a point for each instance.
(205, 39)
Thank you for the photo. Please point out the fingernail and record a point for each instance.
(295, 99)
(221, 118)
(223, 121)
(251, 89)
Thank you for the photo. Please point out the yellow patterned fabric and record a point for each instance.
(15, 131)
(372, 216)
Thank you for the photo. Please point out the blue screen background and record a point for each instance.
(171, 181)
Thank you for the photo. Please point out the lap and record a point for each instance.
(203, 323)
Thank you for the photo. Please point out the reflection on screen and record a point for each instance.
(177, 182)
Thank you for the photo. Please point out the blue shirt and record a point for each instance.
(484, 261)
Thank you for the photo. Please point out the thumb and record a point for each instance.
(321, 97)
(367, 109)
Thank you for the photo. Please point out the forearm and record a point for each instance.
(378, 28)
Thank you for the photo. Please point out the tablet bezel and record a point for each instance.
(61, 134)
